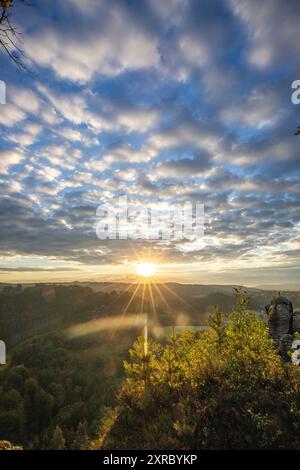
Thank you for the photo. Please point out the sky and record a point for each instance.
(164, 102)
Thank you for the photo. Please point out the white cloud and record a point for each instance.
(70, 134)
(22, 139)
(106, 47)
(194, 50)
(107, 116)
(25, 99)
(11, 115)
(20, 103)
(260, 109)
(124, 153)
(9, 158)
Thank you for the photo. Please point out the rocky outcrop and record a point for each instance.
(280, 318)
(296, 322)
(6, 445)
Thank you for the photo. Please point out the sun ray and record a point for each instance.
(143, 297)
(169, 308)
(161, 295)
(128, 305)
(152, 300)
(172, 292)
(127, 288)
(131, 298)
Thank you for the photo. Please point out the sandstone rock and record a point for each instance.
(296, 321)
(285, 345)
(280, 318)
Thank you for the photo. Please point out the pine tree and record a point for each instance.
(224, 388)
(57, 441)
(81, 440)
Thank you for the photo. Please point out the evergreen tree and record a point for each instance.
(225, 388)
(81, 439)
(57, 441)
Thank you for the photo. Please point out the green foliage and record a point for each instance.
(59, 383)
(224, 388)
(6, 445)
(57, 441)
(53, 384)
(25, 313)
(81, 439)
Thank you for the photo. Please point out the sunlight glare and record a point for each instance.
(146, 269)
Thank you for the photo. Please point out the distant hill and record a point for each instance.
(198, 300)
(30, 309)
(43, 306)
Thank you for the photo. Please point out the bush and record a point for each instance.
(6, 445)
(224, 388)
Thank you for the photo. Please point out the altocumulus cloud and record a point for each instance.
(162, 101)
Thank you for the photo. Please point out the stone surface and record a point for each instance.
(296, 321)
(285, 345)
(280, 318)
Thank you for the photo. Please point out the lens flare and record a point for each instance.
(146, 269)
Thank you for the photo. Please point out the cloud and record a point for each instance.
(164, 102)
(36, 269)
(258, 110)
(12, 115)
(184, 167)
(272, 30)
(9, 158)
(107, 42)
(98, 113)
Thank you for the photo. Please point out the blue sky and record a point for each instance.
(164, 102)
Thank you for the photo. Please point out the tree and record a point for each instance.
(57, 441)
(142, 367)
(36, 408)
(224, 388)
(10, 38)
(81, 440)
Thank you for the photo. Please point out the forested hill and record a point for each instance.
(54, 390)
(30, 310)
(26, 312)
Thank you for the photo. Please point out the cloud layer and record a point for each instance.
(164, 102)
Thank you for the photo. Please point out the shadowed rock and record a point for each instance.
(280, 316)
(296, 321)
(285, 345)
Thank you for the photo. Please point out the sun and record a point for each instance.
(146, 269)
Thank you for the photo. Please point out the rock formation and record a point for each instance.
(280, 318)
(296, 322)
